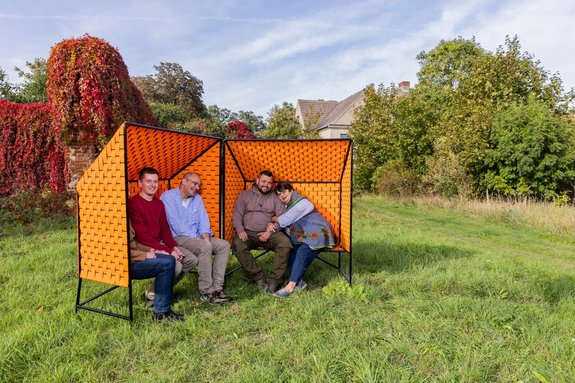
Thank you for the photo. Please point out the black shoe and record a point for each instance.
(168, 316)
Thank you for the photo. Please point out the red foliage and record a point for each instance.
(90, 91)
(30, 156)
(237, 129)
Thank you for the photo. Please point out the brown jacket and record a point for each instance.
(137, 250)
(254, 210)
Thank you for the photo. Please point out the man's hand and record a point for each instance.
(264, 236)
(271, 228)
(177, 253)
(243, 235)
(151, 254)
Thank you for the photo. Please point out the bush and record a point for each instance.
(30, 157)
(90, 92)
(27, 207)
(396, 179)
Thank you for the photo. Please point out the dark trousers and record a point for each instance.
(278, 242)
(162, 268)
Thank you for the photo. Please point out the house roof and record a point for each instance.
(340, 110)
(315, 110)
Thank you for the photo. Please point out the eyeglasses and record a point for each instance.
(198, 184)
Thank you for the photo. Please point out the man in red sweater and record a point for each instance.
(148, 218)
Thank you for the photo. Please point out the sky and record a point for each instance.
(254, 54)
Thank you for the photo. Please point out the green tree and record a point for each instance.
(169, 115)
(448, 63)
(281, 123)
(483, 87)
(254, 122)
(371, 132)
(33, 88)
(173, 85)
(6, 88)
(532, 152)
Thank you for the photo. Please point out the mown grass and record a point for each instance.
(439, 295)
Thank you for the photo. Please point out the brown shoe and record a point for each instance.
(222, 296)
(261, 284)
(272, 288)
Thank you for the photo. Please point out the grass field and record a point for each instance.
(441, 293)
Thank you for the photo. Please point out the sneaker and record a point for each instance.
(149, 302)
(300, 285)
(213, 298)
(281, 293)
(168, 316)
(223, 296)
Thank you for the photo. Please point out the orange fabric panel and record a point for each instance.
(234, 185)
(208, 168)
(346, 205)
(102, 231)
(294, 160)
(318, 169)
(166, 151)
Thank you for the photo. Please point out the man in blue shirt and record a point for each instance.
(190, 227)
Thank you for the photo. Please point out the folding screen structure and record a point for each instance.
(105, 187)
(319, 169)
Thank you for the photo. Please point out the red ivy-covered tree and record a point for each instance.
(237, 129)
(90, 92)
(30, 156)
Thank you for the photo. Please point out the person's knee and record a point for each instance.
(238, 245)
(205, 249)
(281, 240)
(168, 263)
(178, 268)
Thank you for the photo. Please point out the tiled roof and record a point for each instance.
(340, 109)
(315, 110)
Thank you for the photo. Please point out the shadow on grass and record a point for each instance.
(555, 289)
(370, 256)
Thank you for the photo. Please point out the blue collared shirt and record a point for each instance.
(186, 221)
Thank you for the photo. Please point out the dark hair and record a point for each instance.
(266, 173)
(283, 186)
(145, 171)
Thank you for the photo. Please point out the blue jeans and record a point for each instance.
(162, 268)
(300, 257)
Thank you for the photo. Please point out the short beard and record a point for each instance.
(261, 191)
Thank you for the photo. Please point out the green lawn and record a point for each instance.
(438, 296)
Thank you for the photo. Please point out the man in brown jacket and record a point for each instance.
(253, 210)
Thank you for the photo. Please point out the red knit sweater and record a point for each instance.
(150, 224)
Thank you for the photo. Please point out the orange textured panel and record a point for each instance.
(102, 236)
(208, 168)
(346, 207)
(297, 160)
(234, 185)
(166, 151)
(318, 169)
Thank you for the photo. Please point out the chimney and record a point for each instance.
(404, 86)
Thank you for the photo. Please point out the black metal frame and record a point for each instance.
(83, 305)
(348, 276)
